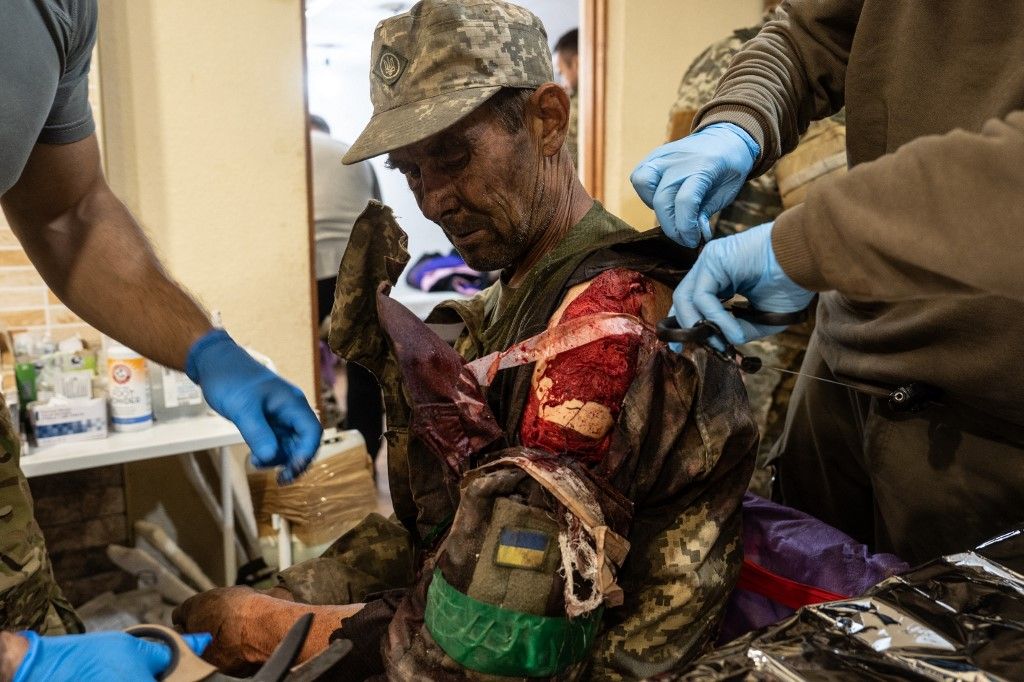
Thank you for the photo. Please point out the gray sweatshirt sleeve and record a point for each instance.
(941, 216)
(791, 73)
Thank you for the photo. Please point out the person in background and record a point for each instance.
(917, 249)
(94, 256)
(567, 64)
(758, 201)
(340, 194)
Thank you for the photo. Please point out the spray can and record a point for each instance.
(131, 408)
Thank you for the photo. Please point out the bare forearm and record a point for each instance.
(95, 257)
(100, 264)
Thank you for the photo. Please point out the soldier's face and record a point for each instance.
(481, 184)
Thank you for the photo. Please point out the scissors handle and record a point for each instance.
(185, 665)
(669, 330)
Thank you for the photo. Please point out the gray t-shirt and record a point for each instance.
(340, 194)
(45, 48)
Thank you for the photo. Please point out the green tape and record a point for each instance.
(497, 641)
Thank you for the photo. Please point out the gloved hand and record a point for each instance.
(689, 180)
(273, 416)
(744, 264)
(97, 656)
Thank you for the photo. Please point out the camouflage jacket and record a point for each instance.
(682, 449)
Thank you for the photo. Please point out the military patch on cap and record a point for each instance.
(390, 65)
(522, 548)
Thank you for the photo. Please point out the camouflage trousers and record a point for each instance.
(29, 597)
(768, 391)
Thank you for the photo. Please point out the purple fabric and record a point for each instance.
(802, 548)
(434, 272)
(328, 365)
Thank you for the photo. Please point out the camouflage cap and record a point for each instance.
(435, 64)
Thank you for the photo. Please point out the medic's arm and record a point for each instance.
(94, 256)
(791, 73)
(941, 216)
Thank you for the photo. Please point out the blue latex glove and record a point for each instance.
(97, 656)
(273, 416)
(744, 264)
(689, 180)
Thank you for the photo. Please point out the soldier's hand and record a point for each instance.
(232, 615)
(272, 415)
(689, 180)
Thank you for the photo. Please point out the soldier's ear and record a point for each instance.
(549, 107)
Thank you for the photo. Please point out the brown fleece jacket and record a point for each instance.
(922, 243)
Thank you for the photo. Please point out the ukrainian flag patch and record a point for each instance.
(522, 548)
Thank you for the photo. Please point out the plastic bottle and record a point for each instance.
(174, 394)
(131, 407)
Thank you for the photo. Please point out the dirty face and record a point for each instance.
(481, 183)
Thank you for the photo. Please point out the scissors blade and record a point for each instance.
(322, 663)
(277, 666)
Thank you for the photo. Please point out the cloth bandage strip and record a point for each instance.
(557, 340)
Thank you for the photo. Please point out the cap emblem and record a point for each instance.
(390, 66)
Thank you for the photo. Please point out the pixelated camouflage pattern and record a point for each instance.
(374, 556)
(572, 136)
(438, 62)
(377, 252)
(682, 579)
(29, 597)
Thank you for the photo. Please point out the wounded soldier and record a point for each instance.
(566, 489)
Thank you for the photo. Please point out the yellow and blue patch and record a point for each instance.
(522, 548)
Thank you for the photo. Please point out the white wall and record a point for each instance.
(339, 35)
(205, 138)
(204, 129)
(651, 43)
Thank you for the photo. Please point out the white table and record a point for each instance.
(178, 437)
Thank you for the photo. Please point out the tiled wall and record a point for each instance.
(27, 305)
(81, 512)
